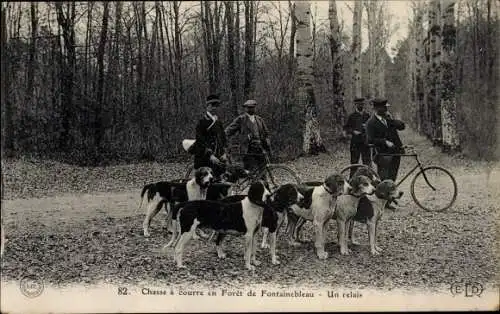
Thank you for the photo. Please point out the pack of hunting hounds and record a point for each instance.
(202, 209)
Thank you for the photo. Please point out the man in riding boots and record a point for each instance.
(355, 126)
(210, 147)
(254, 136)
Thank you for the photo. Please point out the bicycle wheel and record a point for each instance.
(189, 171)
(346, 172)
(434, 189)
(276, 175)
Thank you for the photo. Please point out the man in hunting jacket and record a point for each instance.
(254, 136)
(210, 147)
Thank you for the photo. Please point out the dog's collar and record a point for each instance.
(327, 189)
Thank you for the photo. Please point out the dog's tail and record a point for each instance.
(145, 189)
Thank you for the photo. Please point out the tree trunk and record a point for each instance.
(419, 54)
(433, 98)
(291, 49)
(7, 112)
(448, 88)
(312, 141)
(67, 24)
(356, 49)
(230, 52)
(339, 111)
(178, 57)
(249, 49)
(32, 56)
(99, 111)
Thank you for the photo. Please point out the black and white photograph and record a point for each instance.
(250, 156)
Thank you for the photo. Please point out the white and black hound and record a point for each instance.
(281, 199)
(242, 217)
(367, 209)
(319, 206)
(166, 192)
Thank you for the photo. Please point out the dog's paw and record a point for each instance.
(221, 255)
(378, 249)
(146, 234)
(375, 252)
(275, 261)
(264, 245)
(345, 251)
(196, 237)
(181, 266)
(322, 255)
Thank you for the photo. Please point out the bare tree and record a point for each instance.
(312, 143)
(433, 72)
(230, 54)
(249, 64)
(7, 112)
(67, 24)
(339, 111)
(448, 98)
(99, 112)
(356, 48)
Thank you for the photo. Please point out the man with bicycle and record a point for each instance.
(254, 136)
(382, 131)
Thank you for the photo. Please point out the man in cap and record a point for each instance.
(382, 131)
(355, 126)
(210, 147)
(254, 136)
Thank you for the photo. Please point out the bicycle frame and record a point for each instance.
(417, 166)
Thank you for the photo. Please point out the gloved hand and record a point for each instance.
(214, 159)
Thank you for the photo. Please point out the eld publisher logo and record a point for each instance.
(467, 289)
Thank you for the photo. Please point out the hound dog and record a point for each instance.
(367, 209)
(318, 206)
(243, 217)
(281, 199)
(169, 191)
(374, 180)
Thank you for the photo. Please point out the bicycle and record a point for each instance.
(433, 187)
(269, 172)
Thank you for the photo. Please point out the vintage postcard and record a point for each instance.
(223, 156)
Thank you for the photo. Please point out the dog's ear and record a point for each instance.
(256, 192)
(384, 189)
(335, 183)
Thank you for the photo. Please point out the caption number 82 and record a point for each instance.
(122, 291)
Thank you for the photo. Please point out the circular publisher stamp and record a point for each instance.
(31, 286)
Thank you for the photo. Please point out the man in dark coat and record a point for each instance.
(254, 136)
(382, 131)
(210, 147)
(355, 126)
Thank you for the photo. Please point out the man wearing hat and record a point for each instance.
(210, 146)
(254, 136)
(355, 126)
(382, 131)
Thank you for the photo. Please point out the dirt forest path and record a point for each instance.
(77, 216)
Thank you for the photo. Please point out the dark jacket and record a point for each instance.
(249, 132)
(210, 139)
(355, 122)
(377, 133)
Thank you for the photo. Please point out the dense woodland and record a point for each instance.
(100, 82)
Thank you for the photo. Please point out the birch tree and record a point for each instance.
(356, 48)
(448, 98)
(433, 95)
(339, 111)
(312, 141)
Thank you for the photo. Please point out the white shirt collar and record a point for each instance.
(211, 116)
(251, 116)
(381, 119)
